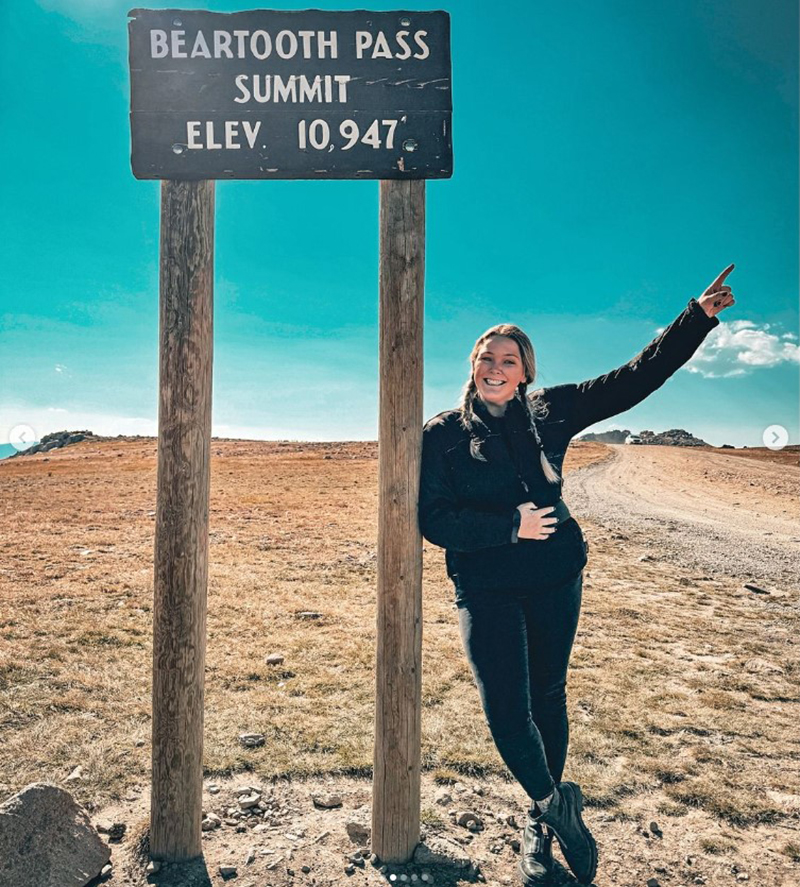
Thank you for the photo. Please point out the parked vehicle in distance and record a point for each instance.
(633, 439)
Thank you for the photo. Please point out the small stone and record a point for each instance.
(374, 860)
(105, 871)
(515, 845)
(153, 866)
(213, 789)
(756, 589)
(227, 871)
(327, 802)
(443, 797)
(248, 801)
(274, 659)
(305, 869)
(251, 855)
(653, 882)
(656, 830)
(511, 821)
(357, 831)
(76, 774)
(251, 740)
(470, 820)
(117, 830)
(742, 876)
(350, 869)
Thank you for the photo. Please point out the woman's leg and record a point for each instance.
(551, 618)
(494, 634)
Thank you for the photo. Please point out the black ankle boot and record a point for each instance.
(563, 817)
(536, 864)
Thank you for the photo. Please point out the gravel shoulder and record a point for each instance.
(722, 514)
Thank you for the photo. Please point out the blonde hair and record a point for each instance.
(532, 408)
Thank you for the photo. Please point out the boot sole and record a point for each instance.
(587, 834)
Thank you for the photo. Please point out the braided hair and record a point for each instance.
(533, 406)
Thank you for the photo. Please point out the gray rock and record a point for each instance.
(47, 839)
(443, 797)
(440, 851)
(471, 820)
(327, 801)
(274, 659)
(358, 832)
(251, 740)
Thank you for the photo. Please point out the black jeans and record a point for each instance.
(518, 645)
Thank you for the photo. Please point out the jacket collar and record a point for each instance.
(515, 416)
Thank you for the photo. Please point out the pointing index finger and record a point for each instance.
(721, 279)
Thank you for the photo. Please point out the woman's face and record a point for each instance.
(498, 369)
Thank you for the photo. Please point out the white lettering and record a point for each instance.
(240, 81)
(311, 92)
(264, 37)
(342, 80)
(418, 35)
(363, 41)
(251, 131)
(210, 143)
(280, 44)
(382, 50)
(222, 44)
(177, 44)
(200, 47)
(306, 37)
(192, 134)
(240, 49)
(158, 44)
(324, 43)
(231, 131)
(400, 36)
(285, 90)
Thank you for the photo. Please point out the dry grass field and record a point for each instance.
(683, 689)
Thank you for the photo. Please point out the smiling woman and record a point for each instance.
(490, 494)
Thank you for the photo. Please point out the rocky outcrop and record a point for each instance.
(675, 437)
(609, 437)
(56, 440)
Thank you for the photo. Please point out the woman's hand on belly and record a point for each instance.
(536, 523)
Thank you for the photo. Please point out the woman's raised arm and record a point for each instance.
(605, 396)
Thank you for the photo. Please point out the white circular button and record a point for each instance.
(21, 437)
(775, 437)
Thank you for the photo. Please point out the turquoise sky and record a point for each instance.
(611, 157)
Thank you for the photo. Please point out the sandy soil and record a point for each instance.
(725, 514)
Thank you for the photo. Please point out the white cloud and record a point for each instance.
(740, 347)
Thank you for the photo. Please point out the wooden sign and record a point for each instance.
(308, 94)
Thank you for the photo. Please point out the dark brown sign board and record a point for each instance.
(305, 94)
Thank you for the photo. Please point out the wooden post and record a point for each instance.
(181, 539)
(398, 696)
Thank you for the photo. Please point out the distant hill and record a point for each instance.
(7, 450)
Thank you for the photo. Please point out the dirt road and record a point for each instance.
(721, 513)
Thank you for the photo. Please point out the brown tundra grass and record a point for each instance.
(681, 685)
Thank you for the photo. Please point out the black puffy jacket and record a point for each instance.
(468, 506)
